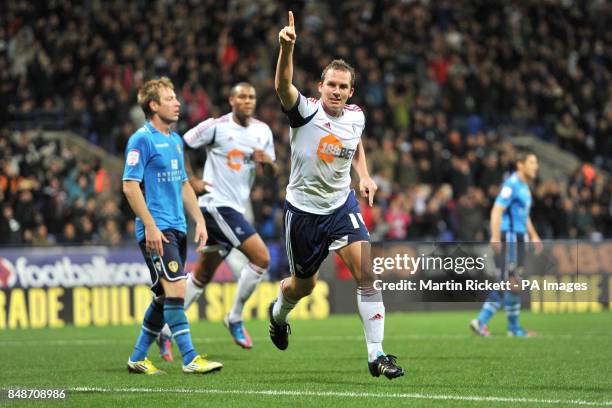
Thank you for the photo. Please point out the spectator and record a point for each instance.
(471, 216)
(442, 96)
(70, 234)
(398, 219)
(41, 236)
(10, 228)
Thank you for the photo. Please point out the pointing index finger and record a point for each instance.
(291, 22)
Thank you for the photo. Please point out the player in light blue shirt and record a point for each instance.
(515, 199)
(162, 182)
(156, 186)
(511, 227)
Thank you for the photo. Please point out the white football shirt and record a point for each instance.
(322, 149)
(229, 167)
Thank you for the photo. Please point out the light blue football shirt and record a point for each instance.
(515, 197)
(156, 161)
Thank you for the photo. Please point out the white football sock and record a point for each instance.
(193, 291)
(283, 306)
(372, 313)
(249, 278)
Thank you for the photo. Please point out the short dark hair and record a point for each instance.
(523, 155)
(234, 89)
(340, 65)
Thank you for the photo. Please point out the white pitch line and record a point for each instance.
(98, 342)
(101, 342)
(276, 393)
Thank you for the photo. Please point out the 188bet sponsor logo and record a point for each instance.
(331, 148)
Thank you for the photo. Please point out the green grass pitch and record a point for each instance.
(569, 364)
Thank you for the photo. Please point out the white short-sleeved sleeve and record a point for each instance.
(202, 134)
(302, 112)
(269, 147)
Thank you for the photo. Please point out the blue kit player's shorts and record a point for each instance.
(310, 237)
(511, 259)
(226, 227)
(171, 266)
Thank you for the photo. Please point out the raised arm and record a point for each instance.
(286, 91)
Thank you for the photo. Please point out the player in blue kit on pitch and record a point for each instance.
(321, 210)
(511, 229)
(156, 186)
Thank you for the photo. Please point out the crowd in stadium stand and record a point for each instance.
(444, 86)
(50, 196)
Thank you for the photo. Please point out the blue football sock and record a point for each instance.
(512, 306)
(491, 305)
(174, 314)
(151, 326)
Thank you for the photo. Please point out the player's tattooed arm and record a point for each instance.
(287, 92)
